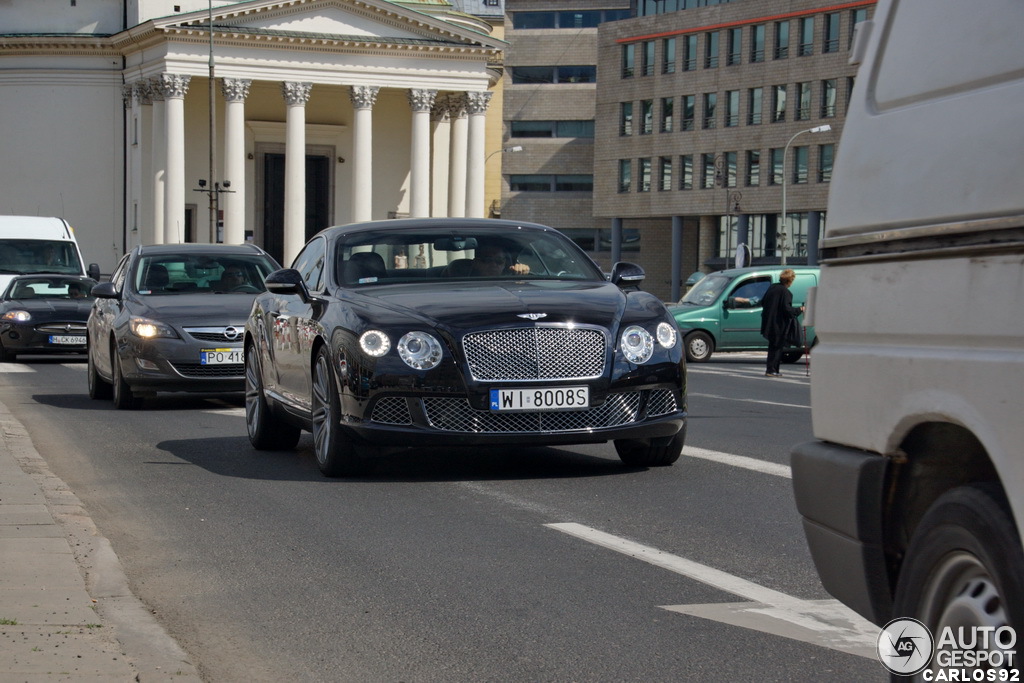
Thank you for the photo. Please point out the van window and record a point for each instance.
(39, 256)
(753, 289)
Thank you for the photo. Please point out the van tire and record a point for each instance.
(699, 346)
(964, 558)
(792, 356)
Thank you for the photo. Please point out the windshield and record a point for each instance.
(39, 256)
(463, 253)
(50, 288)
(706, 291)
(168, 274)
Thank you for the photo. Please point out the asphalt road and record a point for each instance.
(454, 565)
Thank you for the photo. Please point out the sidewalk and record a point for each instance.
(66, 612)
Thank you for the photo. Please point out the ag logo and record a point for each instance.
(905, 646)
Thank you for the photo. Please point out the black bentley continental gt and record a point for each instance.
(459, 332)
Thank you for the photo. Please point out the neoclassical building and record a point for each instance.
(318, 112)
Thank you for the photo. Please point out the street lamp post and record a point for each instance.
(785, 156)
(514, 148)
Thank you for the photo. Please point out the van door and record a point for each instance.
(741, 321)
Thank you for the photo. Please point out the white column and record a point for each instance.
(174, 87)
(295, 96)
(147, 234)
(457, 155)
(133, 180)
(363, 98)
(420, 101)
(158, 168)
(476, 105)
(440, 162)
(235, 90)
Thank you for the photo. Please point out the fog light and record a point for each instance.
(144, 364)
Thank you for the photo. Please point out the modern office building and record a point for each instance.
(712, 120)
(550, 85)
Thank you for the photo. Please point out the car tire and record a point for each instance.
(99, 389)
(641, 452)
(124, 397)
(699, 346)
(336, 454)
(266, 431)
(6, 355)
(792, 356)
(963, 565)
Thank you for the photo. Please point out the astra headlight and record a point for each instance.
(667, 335)
(637, 344)
(419, 350)
(374, 343)
(151, 329)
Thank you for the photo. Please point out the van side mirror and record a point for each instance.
(93, 271)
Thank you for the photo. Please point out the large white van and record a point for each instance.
(39, 244)
(912, 494)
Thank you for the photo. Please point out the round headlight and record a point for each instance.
(667, 335)
(637, 344)
(375, 343)
(419, 350)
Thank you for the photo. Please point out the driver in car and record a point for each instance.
(232, 277)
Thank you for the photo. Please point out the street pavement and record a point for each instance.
(66, 610)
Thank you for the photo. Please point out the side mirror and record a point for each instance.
(93, 271)
(287, 281)
(625, 274)
(105, 290)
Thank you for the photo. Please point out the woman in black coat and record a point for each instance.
(779, 321)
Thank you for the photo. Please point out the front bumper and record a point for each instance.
(44, 338)
(840, 496)
(172, 365)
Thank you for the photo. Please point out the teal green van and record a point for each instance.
(722, 312)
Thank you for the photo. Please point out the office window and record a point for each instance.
(781, 39)
(625, 118)
(735, 46)
(689, 53)
(710, 106)
(711, 50)
(529, 183)
(579, 19)
(574, 183)
(776, 161)
(647, 58)
(628, 60)
(576, 74)
(732, 108)
(779, 103)
(806, 37)
(849, 91)
(803, 97)
(757, 43)
(730, 169)
(856, 16)
(541, 182)
(708, 174)
(665, 174)
(754, 106)
(528, 20)
(689, 106)
(830, 42)
(574, 129)
(667, 113)
(533, 74)
(800, 157)
(644, 181)
(826, 155)
(753, 168)
(686, 172)
(668, 56)
(646, 117)
(828, 98)
(554, 74)
(625, 175)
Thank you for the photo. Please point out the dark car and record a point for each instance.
(44, 314)
(172, 319)
(503, 334)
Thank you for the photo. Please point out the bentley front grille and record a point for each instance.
(535, 353)
(457, 415)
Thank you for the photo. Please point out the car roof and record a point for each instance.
(737, 272)
(197, 248)
(484, 224)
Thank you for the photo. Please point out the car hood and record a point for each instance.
(195, 309)
(484, 304)
(52, 308)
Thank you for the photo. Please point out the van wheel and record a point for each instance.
(792, 356)
(650, 452)
(962, 568)
(699, 346)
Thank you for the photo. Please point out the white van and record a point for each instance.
(912, 494)
(39, 244)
